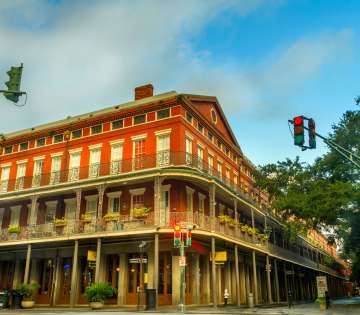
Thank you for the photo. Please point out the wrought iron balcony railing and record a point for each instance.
(115, 168)
(94, 226)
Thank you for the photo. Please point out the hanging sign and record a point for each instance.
(137, 260)
(182, 261)
(220, 256)
(321, 284)
(91, 255)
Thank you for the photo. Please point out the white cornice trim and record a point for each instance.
(115, 142)
(5, 164)
(69, 201)
(91, 197)
(163, 132)
(51, 203)
(137, 191)
(77, 150)
(114, 194)
(139, 137)
(39, 158)
(56, 154)
(21, 161)
(95, 146)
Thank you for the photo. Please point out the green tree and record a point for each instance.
(324, 195)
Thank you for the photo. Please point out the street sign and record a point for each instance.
(220, 256)
(91, 255)
(137, 260)
(321, 284)
(182, 261)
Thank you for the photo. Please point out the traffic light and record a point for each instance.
(13, 93)
(299, 130)
(177, 236)
(188, 237)
(312, 133)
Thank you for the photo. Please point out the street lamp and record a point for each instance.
(141, 282)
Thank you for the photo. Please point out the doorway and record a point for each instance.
(165, 205)
(165, 278)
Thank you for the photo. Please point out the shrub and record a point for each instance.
(99, 292)
(28, 290)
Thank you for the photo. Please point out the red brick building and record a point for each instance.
(103, 182)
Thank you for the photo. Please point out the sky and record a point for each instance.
(265, 60)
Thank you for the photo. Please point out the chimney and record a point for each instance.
(144, 91)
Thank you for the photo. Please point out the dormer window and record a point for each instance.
(76, 134)
(59, 138)
(96, 129)
(117, 124)
(40, 142)
(140, 119)
(8, 150)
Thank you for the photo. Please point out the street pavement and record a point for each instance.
(338, 307)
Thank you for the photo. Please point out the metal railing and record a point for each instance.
(114, 168)
(94, 226)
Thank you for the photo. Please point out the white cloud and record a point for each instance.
(81, 56)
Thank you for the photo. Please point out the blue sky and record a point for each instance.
(266, 61)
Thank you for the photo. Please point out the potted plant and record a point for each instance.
(97, 293)
(139, 213)
(27, 291)
(14, 230)
(322, 302)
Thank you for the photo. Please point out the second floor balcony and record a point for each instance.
(163, 159)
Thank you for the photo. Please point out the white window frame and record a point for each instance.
(111, 197)
(20, 174)
(5, 176)
(116, 163)
(15, 213)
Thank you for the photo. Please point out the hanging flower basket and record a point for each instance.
(140, 213)
(109, 217)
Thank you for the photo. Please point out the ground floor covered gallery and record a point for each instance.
(64, 269)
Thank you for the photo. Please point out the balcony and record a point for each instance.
(125, 223)
(162, 159)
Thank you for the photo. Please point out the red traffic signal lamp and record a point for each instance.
(177, 236)
(298, 122)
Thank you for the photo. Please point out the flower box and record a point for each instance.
(60, 222)
(109, 217)
(224, 219)
(86, 218)
(140, 213)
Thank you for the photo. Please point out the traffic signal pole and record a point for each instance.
(350, 156)
(182, 278)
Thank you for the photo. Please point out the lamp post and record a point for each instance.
(141, 282)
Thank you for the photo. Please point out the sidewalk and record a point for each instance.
(339, 307)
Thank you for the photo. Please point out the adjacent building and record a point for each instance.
(79, 196)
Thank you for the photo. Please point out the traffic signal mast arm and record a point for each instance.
(350, 156)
